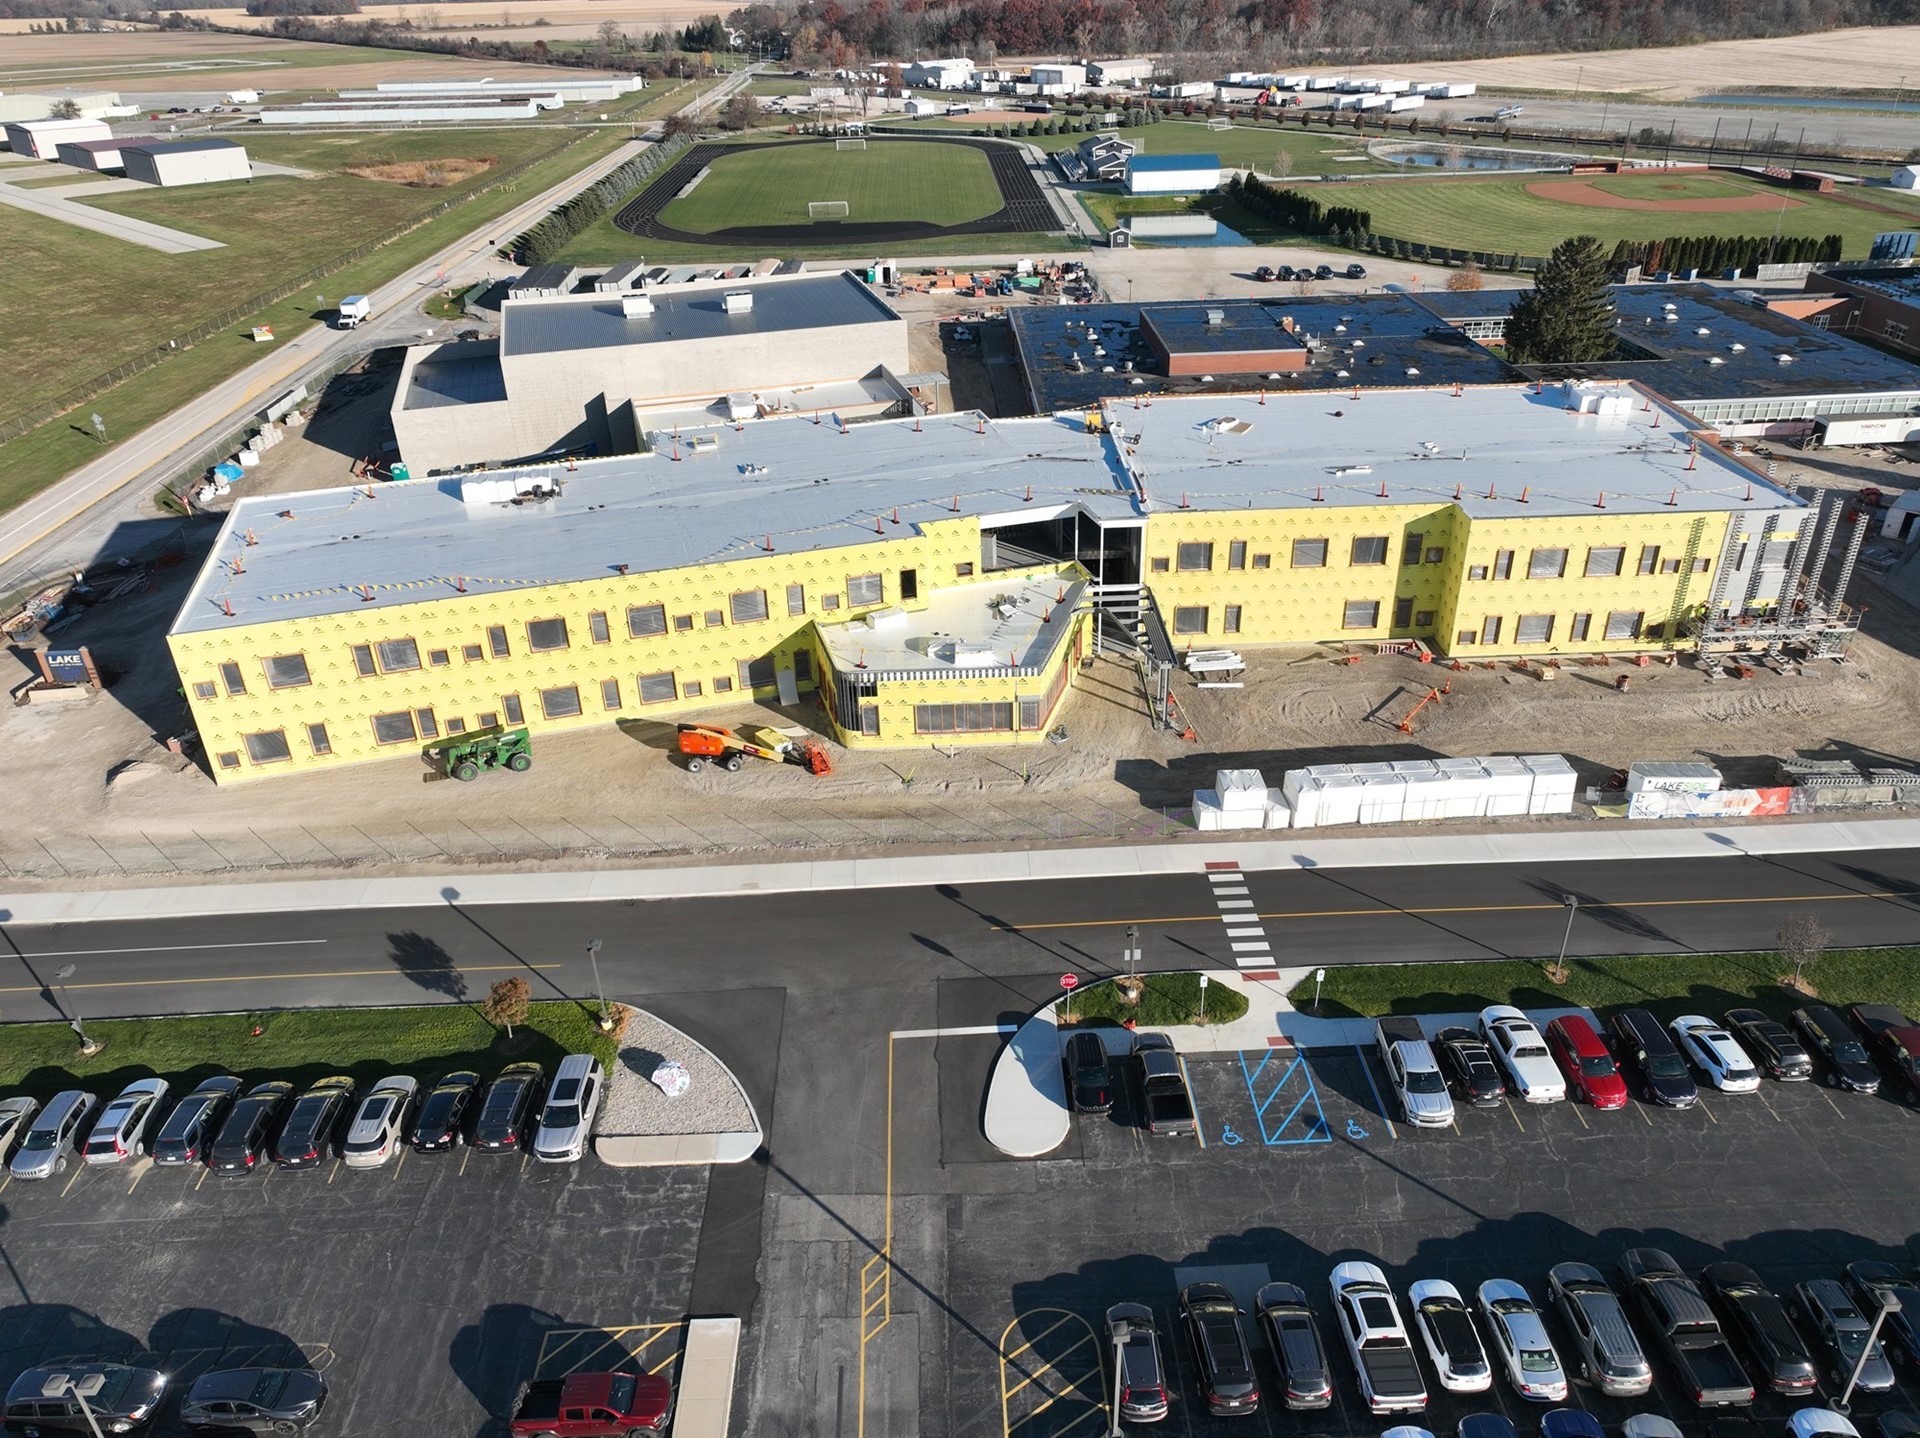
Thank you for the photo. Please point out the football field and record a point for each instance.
(890, 180)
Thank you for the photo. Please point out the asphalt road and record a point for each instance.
(908, 938)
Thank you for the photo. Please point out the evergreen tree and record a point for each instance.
(1567, 317)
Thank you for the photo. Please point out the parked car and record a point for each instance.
(307, 1135)
(1609, 1349)
(1772, 1045)
(1644, 1047)
(1295, 1340)
(1895, 1041)
(1453, 1344)
(1164, 1101)
(1143, 1374)
(442, 1124)
(1356, 272)
(1413, 1073)
(373, 1136)
(1266, 274)
(255, 1400)
(1323, 272)
(1820, 1423)
(1899, 1425)
(1089, 1082)
(1376, 1339)
(1570, 1423)
(1486, 1425)
(1683, 1323)
(1589, 1068)
(1841, 1330)
(1221, 1360)
(249, 1128)
(1869, 1278)
(16, 1117)
(1520, 1049)
(1758, 1319)
(511, 1103)
(121, 1400)
(593, 1405)
(572, 1105)
(195, 1120)
(1848, 1065)
(52, 1135)
(1520, 1339)
(1712, 1050)
(120, 1133)
(1468, 1065)
(1649, 1425)
(1284, 272)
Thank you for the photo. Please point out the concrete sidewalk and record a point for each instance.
(706, 879)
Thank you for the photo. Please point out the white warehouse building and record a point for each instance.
(950, 74)
(186, 162)
(41, 138)
(1172, 174)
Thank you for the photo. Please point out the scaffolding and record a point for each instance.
(1816, 622)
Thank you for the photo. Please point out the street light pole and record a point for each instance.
(59, 1385)
(1573, 908)
(1133, 950)
(88, 1047)
(593, 957)
(1889, 1303)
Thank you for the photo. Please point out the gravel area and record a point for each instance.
(713, 1102)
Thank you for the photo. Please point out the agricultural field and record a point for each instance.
(1532, 213)
(894, 180)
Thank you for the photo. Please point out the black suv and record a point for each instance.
(248, 1128)
(308, 1136)
(1771, 1043)
(1468, 1065)
(1295, 1341)
(1757, 1317)
(1839, 1047)
(1220, 1356)
(194, 1120)
(442, 1123)
(512, 1103)
(1087, 1077)
(1647, 1052)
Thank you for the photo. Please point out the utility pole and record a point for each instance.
(59, 1385)
(88, 1048)
(1572, 902)
(605, 1020)
(1889, 1303)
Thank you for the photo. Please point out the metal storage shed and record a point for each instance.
(102, 155)
(1172, 174)
(186, 162)
(39, 138)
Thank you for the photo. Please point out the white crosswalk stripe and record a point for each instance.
(1247, 937)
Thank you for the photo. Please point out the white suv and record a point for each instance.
(572, 1104)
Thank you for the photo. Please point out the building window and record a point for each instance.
(1435, 554)
(231, 676)
(1649, 558)
(1465, 636)
(1533, 629)
(597, 627)
(1582, 623)
(1701, 566)
(317, 739)
(723, 685)
(287, 671)
(1029, 711)
(471, 653)
(647, 619)
(609, 693)
(830, 602)
(1263, 561)
(363, 660)
(1672, 566)
(545, 635)
(716, 619)
(909, 584)
(456, 726)
(439, 658)
(1237, 554)
(657, 688)
(1410, 548)
(1547, 564)
(1490, 629)
(497, 640)
(1158, 564)
(1403, 613)
(269, 747)
(870, 720)
(561, 703)
(691, 689)
(1309, 554)
(1607, 562)
(1190, 619)
(1231, 623)
(1625, 624)
(803, 667)
(962, 718)
(203, 690)
(797, 595)
(397, 656)
(1896, 332)
(1361, 614)
(1423, 619)
(230, 760)
(489, 720)
(1503, 564)
(428, 728)
(1195, 557)
(748, 606)
(757, 673)
(1476, 571)
(963, 571)
(865, 589)
(395, 728)
(510, 703)
(1368, 549)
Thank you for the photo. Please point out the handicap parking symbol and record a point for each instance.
(1229, 1137)
(1354, 1130)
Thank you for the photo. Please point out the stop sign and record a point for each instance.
(1069, 982)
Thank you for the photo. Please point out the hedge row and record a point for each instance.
(552, 234)
(1717, 253)
(1292, 210)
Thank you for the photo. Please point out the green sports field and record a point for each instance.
(889, 180)
(1496, 213)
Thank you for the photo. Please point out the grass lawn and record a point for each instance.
(1289, 149)
(890, 180)
(1670, 985)
(1496, 213)
(1164, 999)
(768, 86)
(299, 1045)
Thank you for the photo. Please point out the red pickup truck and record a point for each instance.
(593, 1405)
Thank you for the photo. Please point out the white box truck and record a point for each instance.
(353, 309)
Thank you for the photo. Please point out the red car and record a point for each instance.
(1589, 1067)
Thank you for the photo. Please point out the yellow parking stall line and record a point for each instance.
(1045, 1369)
(78, 1169)
(1513, 1113)
(1641, 1109)
(400, 1162)
(1582, 1117)
(333, 1172)
(204, 1171)
(1072, 1383)
(465, 1154)
(1065, 1318)
(1707, 1111)
(1769, 1107)
(4, 1182)
(1823, 1094)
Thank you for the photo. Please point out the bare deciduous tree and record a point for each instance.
(1803, 939)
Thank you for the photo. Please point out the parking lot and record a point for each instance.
(427, 1291)
(1298, 1166)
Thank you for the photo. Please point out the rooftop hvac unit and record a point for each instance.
(737, 302)
(636, 306)
(703, 444)
(1216, 317)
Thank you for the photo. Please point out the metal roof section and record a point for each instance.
(126, 142)
(992, 628)
(795, 484)
(1166, 164)
(178, 147)
(774, 304)
(1499, 453)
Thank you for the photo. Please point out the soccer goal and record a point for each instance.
(827, 209)
(1220, 122)
(855, 142)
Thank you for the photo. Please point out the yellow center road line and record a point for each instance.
(1423, 911)
(168, 949)
(166, 982)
